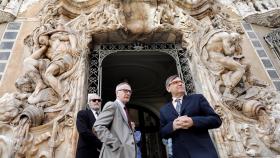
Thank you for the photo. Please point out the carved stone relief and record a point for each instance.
(223, 21)
(38, 120)
(270, 18)
(261, 12)
(246, 7)
(9, 10)
(236, 90)
(197, 8)
(45, 101)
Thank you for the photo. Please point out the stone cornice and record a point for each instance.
(270, 18)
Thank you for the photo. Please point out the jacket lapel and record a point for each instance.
(91, 116)
(119, 107)
(172, 109)
(185, 103)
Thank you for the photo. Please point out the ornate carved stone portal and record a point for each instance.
(102, 51)
(39, 119)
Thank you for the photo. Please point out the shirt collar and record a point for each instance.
(94, 111)
(181, 98)
(121, 103)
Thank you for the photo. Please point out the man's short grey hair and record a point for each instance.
(120, 84)
(170, 79)
(90, 96)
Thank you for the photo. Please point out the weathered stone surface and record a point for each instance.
(270, 18)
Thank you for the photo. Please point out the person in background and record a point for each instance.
(186, 119)
(168, 146)
(137, 136)
(88, 144)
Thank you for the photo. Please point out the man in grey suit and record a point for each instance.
(113, 126)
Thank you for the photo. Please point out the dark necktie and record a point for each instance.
(97, 113)
(178, 106)
(128, 118)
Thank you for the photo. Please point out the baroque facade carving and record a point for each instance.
(270, 18)
(9, 10)
(246, 7)
(249, 100)
(38, 119)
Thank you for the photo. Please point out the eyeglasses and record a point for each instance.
(126, 90)
(176, 82)
(94, 100)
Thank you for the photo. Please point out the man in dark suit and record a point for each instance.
(186, 121)
(88, 144)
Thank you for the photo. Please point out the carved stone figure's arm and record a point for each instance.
(73, 43)
(229, 49)
(38, 53)
(22, 96)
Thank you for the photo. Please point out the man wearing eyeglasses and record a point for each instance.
(88, 144)
(186, 120)
(113, 126)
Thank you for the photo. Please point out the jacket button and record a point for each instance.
(132, 143)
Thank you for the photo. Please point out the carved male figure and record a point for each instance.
(61, 52)
(34, 64)
(224, 51)
(54, 57)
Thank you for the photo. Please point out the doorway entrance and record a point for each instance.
(145, 68)
(146, 73)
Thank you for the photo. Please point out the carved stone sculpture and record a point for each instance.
(61, 53)
(223, 54)
(107, 16)
(269, 18)
(40, 97)
(250, 100)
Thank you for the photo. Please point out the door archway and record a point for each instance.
(100, 52)
(145, 67)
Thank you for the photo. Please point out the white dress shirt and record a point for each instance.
(94, 113)
(122, 106)
(175, 103)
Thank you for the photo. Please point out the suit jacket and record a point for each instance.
(194, 142)
(88, 143)
(113, 130)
